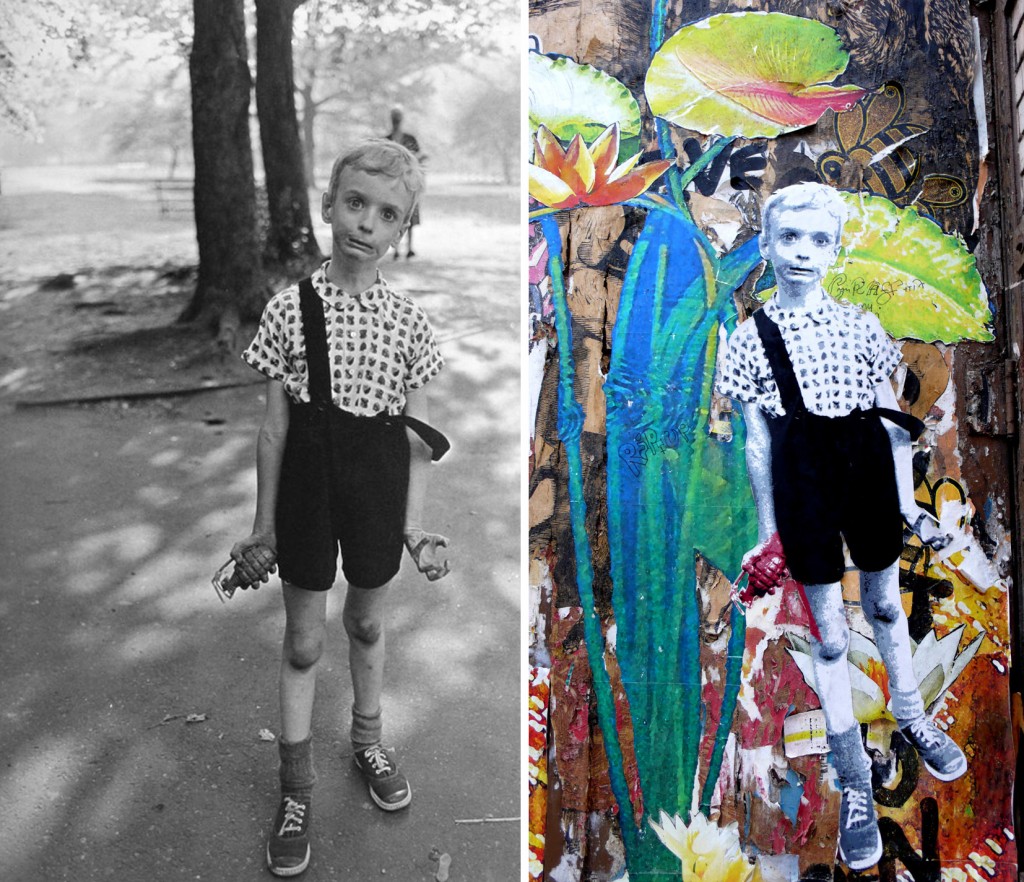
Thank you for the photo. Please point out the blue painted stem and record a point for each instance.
(570, 415)
(733, 669)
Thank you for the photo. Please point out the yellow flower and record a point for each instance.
(937, 664)
(582, 175)
(708, 853)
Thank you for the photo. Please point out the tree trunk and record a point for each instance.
(290, 237)
(230, 286)
(308, 144)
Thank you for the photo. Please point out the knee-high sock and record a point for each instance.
(296, 770)
(366, 728)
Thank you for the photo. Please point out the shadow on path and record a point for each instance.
(114, 517)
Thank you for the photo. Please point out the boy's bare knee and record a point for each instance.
(303, 650)
(363, 629)
(834, 643)
(884, 612)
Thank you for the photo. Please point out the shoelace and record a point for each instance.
(857, 804)
(378, 759)
(294, 816)
(924, 731)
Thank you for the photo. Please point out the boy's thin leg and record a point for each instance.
(880, 596)
(363, 618)
(364, 624)
(305, 627)
(880, 599)
(288, 846)
(860, 843)
(829, 655)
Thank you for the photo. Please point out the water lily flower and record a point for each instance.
(587, 175)
(708, 852)
(936, 667)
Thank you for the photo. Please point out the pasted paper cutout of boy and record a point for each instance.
(828, 457)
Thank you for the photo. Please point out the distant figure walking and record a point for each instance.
(409, 142)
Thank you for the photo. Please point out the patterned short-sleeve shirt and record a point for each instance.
(379, 342)
(840, 353)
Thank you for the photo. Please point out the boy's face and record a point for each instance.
(801, 243)
(367, 215)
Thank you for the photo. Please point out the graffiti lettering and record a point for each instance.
(870, 294)
(901, 757)
(647, 446)
(746, 165)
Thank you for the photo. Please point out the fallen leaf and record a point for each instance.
(195, 718)
(265, 735)
(443, 863)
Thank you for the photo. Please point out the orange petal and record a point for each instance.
(624, 168)
(604, 151)
(630, 185)
(578, 171)
(551, 190)
(549, 152)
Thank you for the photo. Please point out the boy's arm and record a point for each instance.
(920, 521)
(255, 555)
(759, 469)
(425, 548)
(765, 563)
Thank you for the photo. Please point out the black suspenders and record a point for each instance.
(789, 388)
(314, 329)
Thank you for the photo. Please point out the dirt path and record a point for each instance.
(114, 516)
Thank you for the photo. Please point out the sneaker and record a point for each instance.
(940, 753)
(288, 845)
(388, 787)
(860, 843)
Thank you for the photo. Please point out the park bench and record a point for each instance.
(174, 196)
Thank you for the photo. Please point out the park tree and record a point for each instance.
(153, 123)
(487, 123)
(357, 60)
(290, 237)
(39, 41)
(230, 286)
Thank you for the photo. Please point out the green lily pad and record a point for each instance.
(571, 99)
(921, 282)
(749, 74)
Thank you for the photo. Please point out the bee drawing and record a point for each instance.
(874, 151)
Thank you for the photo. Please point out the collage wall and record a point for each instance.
(676, 725)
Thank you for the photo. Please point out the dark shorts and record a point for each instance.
(352, 495)
(833, 479)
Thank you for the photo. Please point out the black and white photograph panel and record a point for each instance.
(260, 397)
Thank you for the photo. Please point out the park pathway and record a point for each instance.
(132, 701)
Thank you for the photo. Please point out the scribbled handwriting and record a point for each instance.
(648, 446)
(870, 293)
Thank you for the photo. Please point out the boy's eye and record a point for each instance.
(354, 202)
(789, 237)
(389, 215)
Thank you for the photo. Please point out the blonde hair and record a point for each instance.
(805, 195)
(378, 156)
